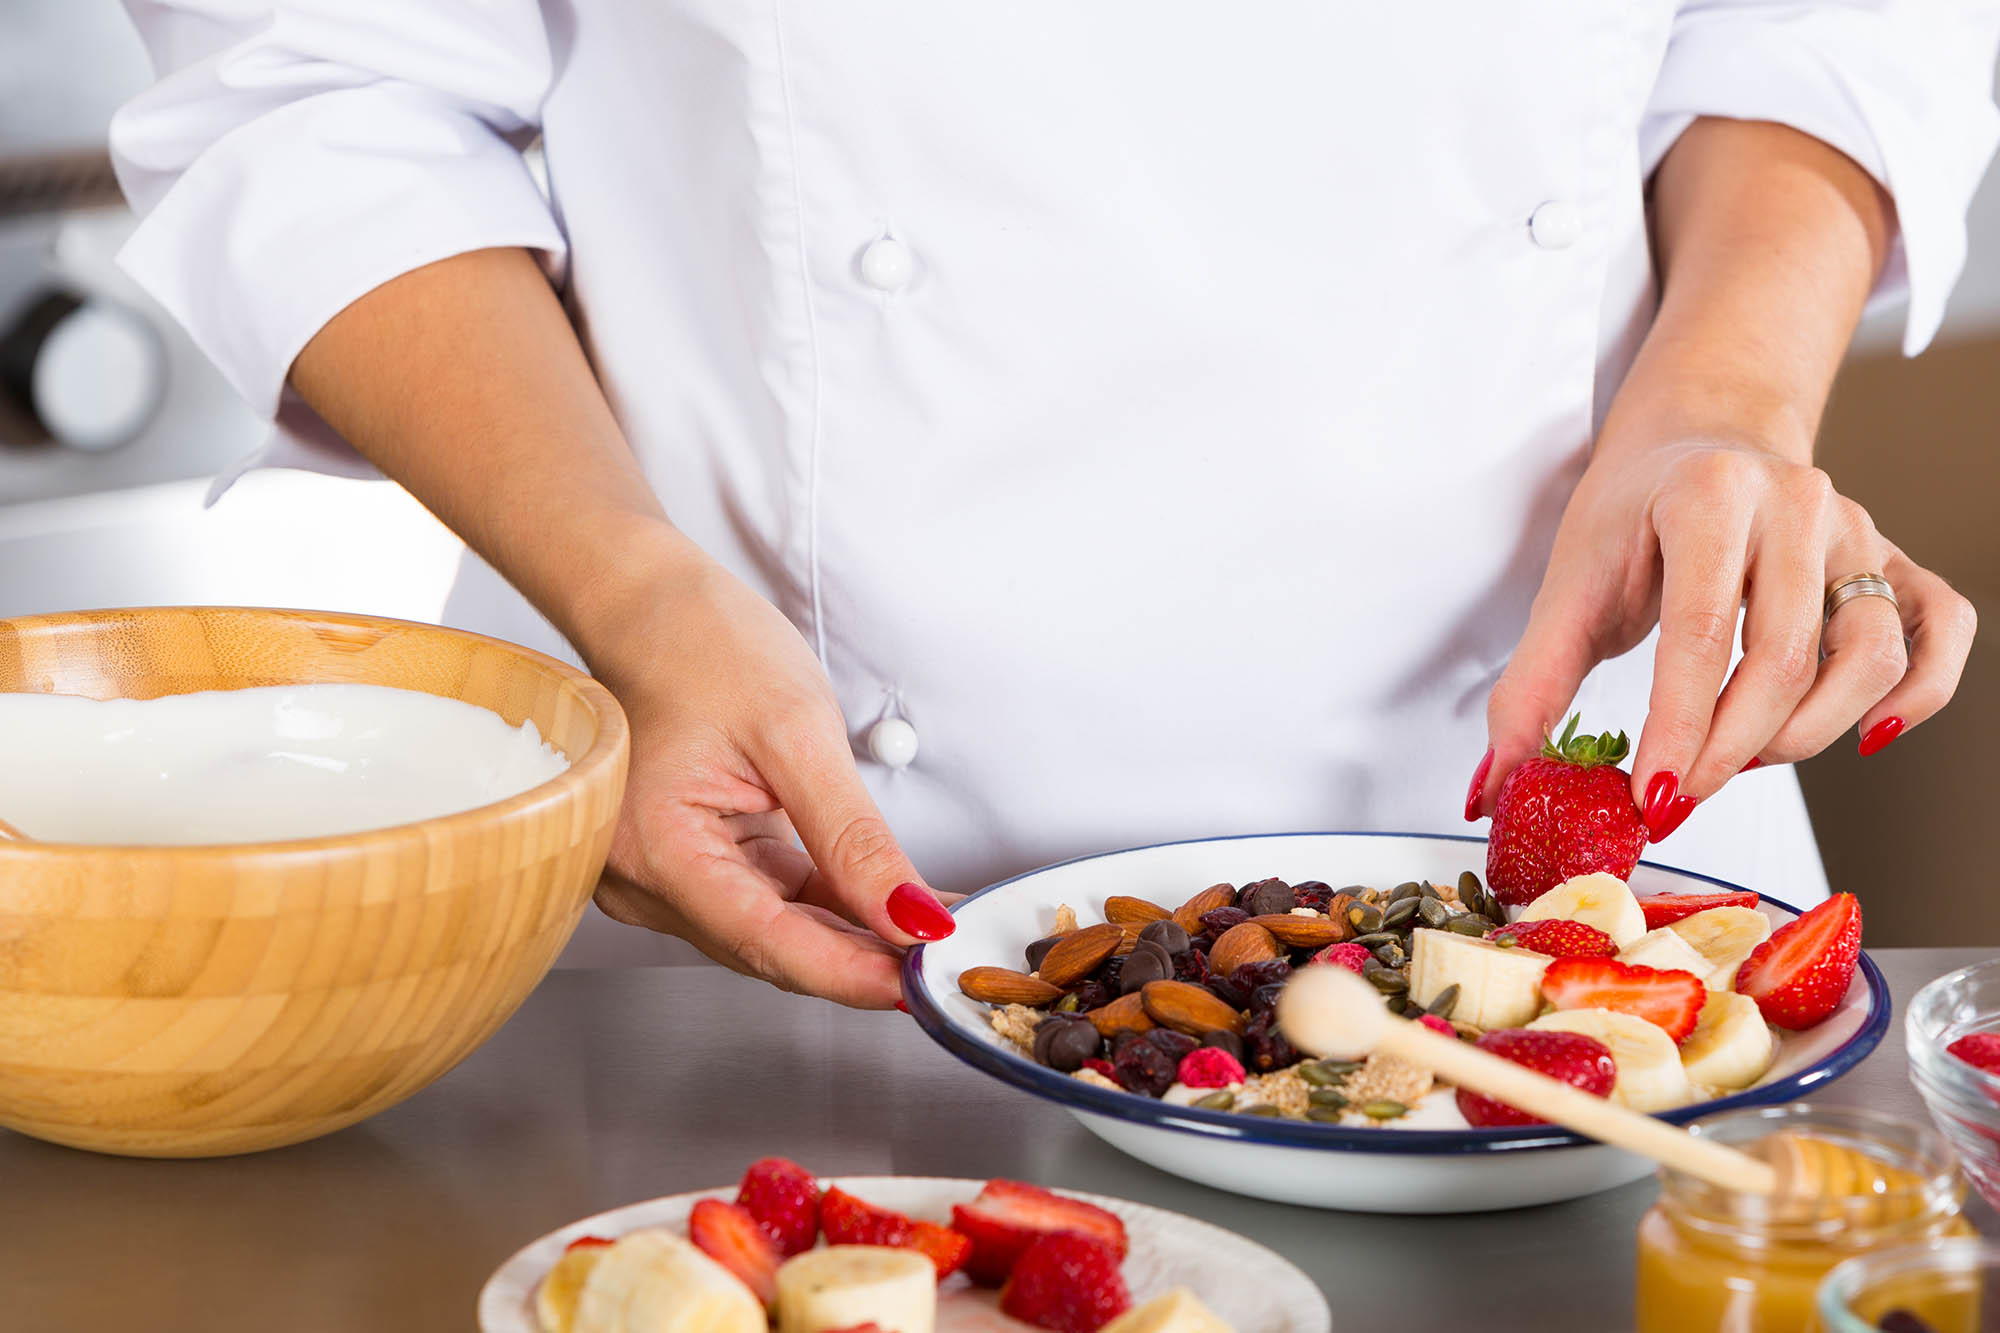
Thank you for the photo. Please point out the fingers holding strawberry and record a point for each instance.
(1565, 812)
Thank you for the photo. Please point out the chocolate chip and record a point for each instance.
(1040, 950)
(1167, 935)
(1063, 1042)
(1224, 1040)
(1147, 962)
(1267, 897)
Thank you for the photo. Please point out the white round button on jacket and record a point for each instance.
(893, 742)
(1556, 224)
(887, 264)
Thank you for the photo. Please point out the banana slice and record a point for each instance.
(1650, 1077)
(1724, 936)
(1596, 900)
(845, 1285)
(652, 1281)
(1663, 948)
(1731, 1045)
(1497, 988)
(555, 1299)
(1179, 1311)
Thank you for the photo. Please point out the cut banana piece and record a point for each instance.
(555, 1299)
(1724, 936)
(1596, 900)
(843, 1286)
(654, 1282)
(1179, 1311)
(1731, 1045)
(1664, 949)
(1650, 1077)
(1497, 988)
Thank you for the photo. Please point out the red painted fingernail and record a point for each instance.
(1676, 815)
(1880, 735)
(916, 912)
(904, 1007)
(1478, 787)
(1755, 762)
(1660, 793)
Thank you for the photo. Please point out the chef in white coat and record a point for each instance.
(966, 436)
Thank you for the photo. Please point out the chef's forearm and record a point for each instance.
(1767, 243)
(464, 381)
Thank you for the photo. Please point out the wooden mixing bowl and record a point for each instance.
(204, 1000)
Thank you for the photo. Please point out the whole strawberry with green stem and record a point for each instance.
(1567, 812)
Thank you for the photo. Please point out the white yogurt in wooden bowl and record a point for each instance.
(261, 764)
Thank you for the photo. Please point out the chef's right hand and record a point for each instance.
(738, 743)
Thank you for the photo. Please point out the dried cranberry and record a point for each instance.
(1265, 998)
(1313, 893)
(1173, 1043)
(1265, 1047)
(1191, 966)
(1267, 897)
(1225, 1040)
(1140, 1066)
(1263, 972)
(1222, 918)
(1224, 990)
(1090, 995)
(1110, 972)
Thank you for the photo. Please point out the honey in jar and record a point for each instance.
(1740, 1262)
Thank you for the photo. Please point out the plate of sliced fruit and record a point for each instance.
(1138, 990)
(895, 1254)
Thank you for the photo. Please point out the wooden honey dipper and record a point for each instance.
(8, 833)
(1330, 1012)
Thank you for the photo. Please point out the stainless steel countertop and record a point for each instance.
(616, 1085)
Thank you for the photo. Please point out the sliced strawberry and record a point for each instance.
(1580, 1061)
(588, 1243)
(1558, 938)
(1663, 909)
(1668, 997)
(852, 1221)
(1801, 974)
(1008, 1215)
(729, 1235)
(784, 1198)
(1068, 1283)
(869, 1327)
(1981, 1050)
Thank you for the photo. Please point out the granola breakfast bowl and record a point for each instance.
(1426, 1161)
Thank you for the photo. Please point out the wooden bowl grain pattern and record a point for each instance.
(206, 1000)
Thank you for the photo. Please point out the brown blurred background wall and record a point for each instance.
(1918, 443)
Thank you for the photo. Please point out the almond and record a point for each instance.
(1121, 909)
(1189, 914)
(1076, 956)
(1303, 932)
(1003, 985)
(1186, 1007)
(1131, 940)
(1244, 942)
(1127, 1013)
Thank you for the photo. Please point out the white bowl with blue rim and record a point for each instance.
(1387, 1169)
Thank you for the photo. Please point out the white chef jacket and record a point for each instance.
(1166, 408)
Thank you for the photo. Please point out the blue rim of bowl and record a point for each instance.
(1024, 1073)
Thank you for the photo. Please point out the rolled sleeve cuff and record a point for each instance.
(285, 221)
(1751, 69)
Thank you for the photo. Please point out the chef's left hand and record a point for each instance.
(1683, 534)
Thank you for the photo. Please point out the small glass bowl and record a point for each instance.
(1963, 1100)
(1943, 1283)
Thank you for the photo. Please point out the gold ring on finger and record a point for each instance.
(1846, 589)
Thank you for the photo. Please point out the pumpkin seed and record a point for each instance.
(1400, 912)
(1366, 918)
(1467, 924)
(1341, 1067)
(1325, 1115)
(1325, 1097)
(1446, 998)
(1320, 1076)
(1392, 954)
(1262, 1109)
(1434, 913)
(1384, 1108)
(1397, 1004)
(1219, 1100)
(1409, 888)
(1377, 940)
(1385, 979)
(1428, 890)
(1067, 1004)
(1468, 887)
